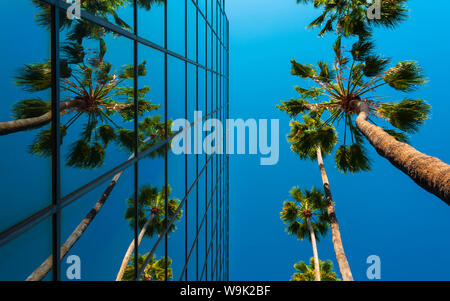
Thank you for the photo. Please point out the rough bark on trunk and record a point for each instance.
(131, 248)
(314, 246)
(428, 172)
(344, 267)
(19, 125)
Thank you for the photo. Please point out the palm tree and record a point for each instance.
(47, 265)
(94, 91)
(151, 203)
(349, 17)
(306, 273)
(313, 139)
(306, 216)
(154, 271)
(346, 87)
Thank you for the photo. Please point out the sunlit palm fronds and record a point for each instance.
(358, 75)
(306, 204)
(306, 273)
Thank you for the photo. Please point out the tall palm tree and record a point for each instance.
(346, 92)
(306, 273)
(313, 139)
(306, 216)
(349, 17)
(151, 210)
(154, 271)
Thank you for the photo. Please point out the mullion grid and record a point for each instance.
(136, 142)
(212, 165)
(206, 108)
(57, 200)
(56, 141)
(186, 155)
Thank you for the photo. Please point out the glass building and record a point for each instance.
(87, 134)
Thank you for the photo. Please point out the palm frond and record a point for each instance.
(405, 76)
(407, 115)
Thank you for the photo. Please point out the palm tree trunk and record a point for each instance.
(130, 250)
(314, 246)
(47, 265)
(344, 267)
(19, 125)
(428, 172)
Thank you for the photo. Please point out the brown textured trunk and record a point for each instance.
(344, 267)
(131, 248)
(19, 125)
(315, 253)
(47, 265)
(428, 172)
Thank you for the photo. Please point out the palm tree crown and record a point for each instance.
(95, 92)
(154, 271)
(151, 201)
(77, 30)
(344, 86)
(306, 205)
(349, 17)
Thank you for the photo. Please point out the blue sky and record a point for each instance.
(381, 212)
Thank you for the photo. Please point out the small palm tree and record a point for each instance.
(349, 17)
(306, 216)
(306, 273)
(151, 210)
(345, 92)
(313, 139)
(154, 271)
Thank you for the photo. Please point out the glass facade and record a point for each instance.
(86, 127)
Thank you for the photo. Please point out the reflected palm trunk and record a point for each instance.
(19, 125)
(131, 248)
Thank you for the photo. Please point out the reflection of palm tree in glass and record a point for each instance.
(93, 70)
(154, 271)
(93, 91)
(104, 9)
(312, 139)
(347, 96)
(151, 212)
(306, 273)
(306, 216)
